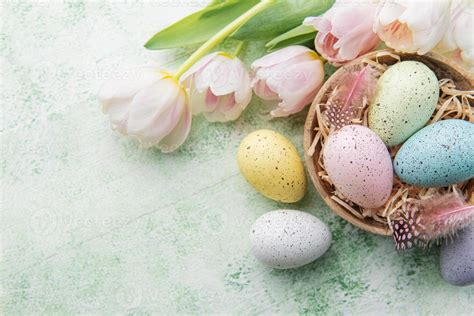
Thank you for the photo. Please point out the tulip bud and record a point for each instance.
(458, 42)
(288, 79)
(219, 87)
(345, 32)
(412, 26)
(150, 106)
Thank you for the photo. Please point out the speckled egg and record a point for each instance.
(405, 98)
(438, 155)
(457, 258)
(286, 239)
(271, 164)
(359, 165)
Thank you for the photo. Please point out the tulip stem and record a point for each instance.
(222, 34)
(238, 48)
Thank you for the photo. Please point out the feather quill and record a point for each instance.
(352, 92)
(428, 220)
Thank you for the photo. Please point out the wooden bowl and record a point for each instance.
(443, 68)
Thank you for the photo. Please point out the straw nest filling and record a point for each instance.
(452, 104)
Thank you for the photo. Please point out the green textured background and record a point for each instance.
(93, 224)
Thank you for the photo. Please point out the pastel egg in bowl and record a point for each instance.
(455, 83)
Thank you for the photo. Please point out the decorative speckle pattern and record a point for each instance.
(438, 155)
(338, 116)
(457, 258)
(405, 98)
(271, 164)
(287, 239)
(405, 232)
(359, 165)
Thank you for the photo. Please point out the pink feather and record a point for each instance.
(352, 92)
(444, 215)
(431, 219)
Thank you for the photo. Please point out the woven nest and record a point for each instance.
(455, 102)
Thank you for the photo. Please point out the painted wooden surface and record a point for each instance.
(92, 224)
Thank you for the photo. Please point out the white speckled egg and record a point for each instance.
(405, 98)
(286, 239)
(271, 164)
(359, 165)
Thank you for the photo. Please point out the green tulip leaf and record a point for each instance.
(280, 18)
(200, 26)
(300, 35)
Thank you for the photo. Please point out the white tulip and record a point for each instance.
(288, 79)
(219, 87)
(150, 106)
(458, 41)
(412, 26)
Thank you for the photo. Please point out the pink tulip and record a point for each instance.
(345, 32)
(412, 26)
(219, 87)
(458, 41)
(150, 106)
(288, 79)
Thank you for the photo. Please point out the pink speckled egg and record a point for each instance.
(359, 165)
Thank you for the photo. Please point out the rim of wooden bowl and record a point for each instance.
(442, 66)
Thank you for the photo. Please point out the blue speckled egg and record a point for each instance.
(457, 258)
(439, 155)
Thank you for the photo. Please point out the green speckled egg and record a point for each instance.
(271, 164)
(405, 98)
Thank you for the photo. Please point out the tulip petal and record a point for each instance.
(389, 12)
(300, 91)
(126, 88)
(179, 134)
(243, 92)
(230, 106)
(321, 24)
(211, 101)
(155, 112)
(347, 18)
(118, 115)
(116, 95)
(326, 46)
(224, 108)
(345, 31)
(357, 42)
(412, 26)
(197, 101)
(293, 78)
(290, 85)
(199, 65)
(227, 75)
(280, 56)
(242, 99)
(215, 73)
(151, 101)
(148, 105)
(221, 89)
(263, 91)
(284, 109)
(458, 42)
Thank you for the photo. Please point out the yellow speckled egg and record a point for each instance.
(271, 164)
